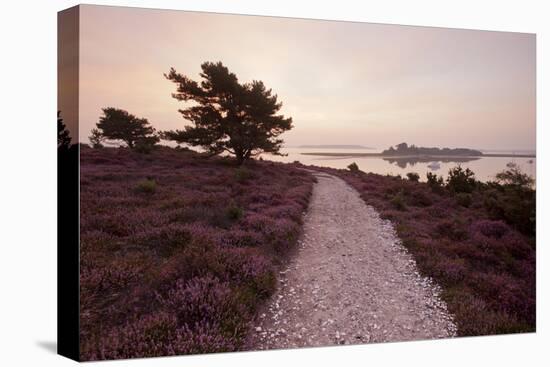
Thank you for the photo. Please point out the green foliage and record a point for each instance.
(147, 186)
(513, 176)
(413, 176)
(234, 212)
(513, 199)
(434, 182)
(117, 124)
(464, 199)
(96, 138)
(353, 167)
(146, 144)
(516, 207)
(454, 229)
(398, 201)
(419, 198)
(243, 174)
(461, 180)
(236, 118)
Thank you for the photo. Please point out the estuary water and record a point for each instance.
(485, 168)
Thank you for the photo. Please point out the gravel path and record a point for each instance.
(350, 282)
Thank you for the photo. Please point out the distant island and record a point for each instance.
(404, 149)
(334, 147)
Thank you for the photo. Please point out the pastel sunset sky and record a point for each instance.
(342, 82)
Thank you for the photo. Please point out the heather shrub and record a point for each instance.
(283, 235)
(450, 271)
(115, 224)
(477, 316)
(464, 199)
(186, 272)
(453, 229)
(146, 186)
(158, 335)
(291, 210)
(491, 228)
(207, 214)
(505, 295)
(208, 300)
(163, 240)
(413, 176)
(204, 217)
(279, 233)
(419, 197)
(519, 248)
(249, 268)
(391, 190)
(96, 239)
(243, 238)
(200, 299)
(96, 280)
(140, 338)
(198, 259)
(243, 174)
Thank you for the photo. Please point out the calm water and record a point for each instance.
(484, 168)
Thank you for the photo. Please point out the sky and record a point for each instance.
(341, 82)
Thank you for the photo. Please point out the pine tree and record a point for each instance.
(117, 124)
(227, 116)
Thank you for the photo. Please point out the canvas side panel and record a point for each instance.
(68, 184)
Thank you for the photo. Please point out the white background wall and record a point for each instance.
(28, 181)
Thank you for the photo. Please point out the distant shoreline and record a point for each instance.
(380, 155)
(336, 146)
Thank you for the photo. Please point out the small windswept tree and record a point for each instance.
(117, 124)
(514, 177)
(96, 138)
(435, 182)
(63, 138)
(353, 167)
(413, 176)
(227, 116)
(461, 180)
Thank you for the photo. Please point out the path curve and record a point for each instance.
(350, 282)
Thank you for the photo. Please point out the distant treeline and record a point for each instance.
(405, 149)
